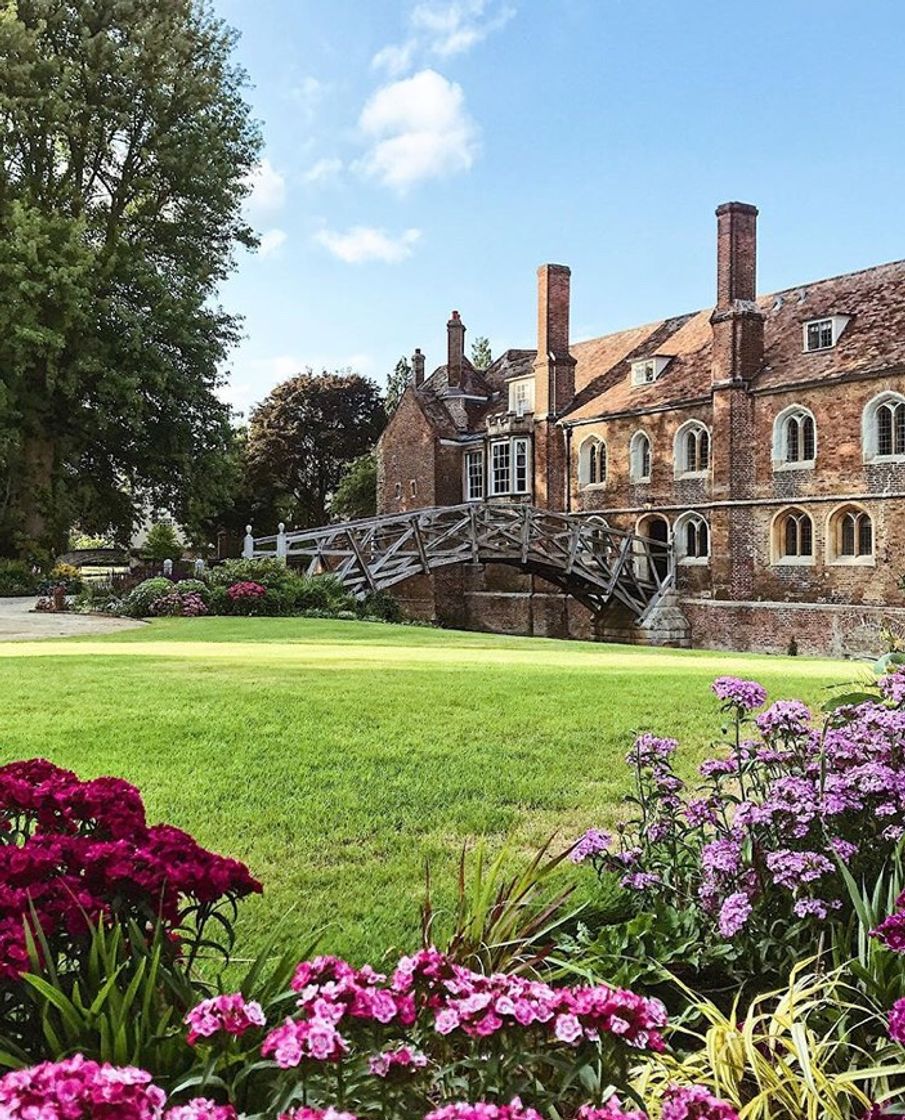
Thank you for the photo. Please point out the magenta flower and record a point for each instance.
(79, 1089)
(611, 1109)
(592, 843)
(897, 1021)
(201, 1109)
(744, 695)
(305, 1113)
(693, 1102)
(230, 1014)
(404, 1059)
(515, 1110)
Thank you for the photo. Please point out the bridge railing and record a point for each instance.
(583, 555)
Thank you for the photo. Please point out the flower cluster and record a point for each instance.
(180, 605)
(247, 589)
(482, 1110)
(611, 1109)
(897, 1022)
(231, 1014)
(591, 844)
(306, 1113)
(201, 1108)
(693, 1102)
(74, 852)
(402, 1060)
(78, 1089)
(761, 839)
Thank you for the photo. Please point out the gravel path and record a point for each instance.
(20, 622)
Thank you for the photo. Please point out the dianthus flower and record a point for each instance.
(79, 1089)
(693, 1102)
(482, 1110)
(734, 913)
(897, 1021)
(744, 695)
(330, 988)
(784, 717)
(892, 686)
(305, 1113)
(592, 843)
(201, 1109)
(790, 868)
(404, 1060)
(314, 1039)
(891, 931)
(229, 1013)
(649, 751)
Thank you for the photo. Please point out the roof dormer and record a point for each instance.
(647, 370)
(823, 334)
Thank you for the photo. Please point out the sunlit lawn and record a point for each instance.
(336, 757)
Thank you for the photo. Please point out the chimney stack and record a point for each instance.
(554, 367)
(455, 350)
(418, 367)
(737, 321)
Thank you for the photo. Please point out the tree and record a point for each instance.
(162, 543)
(303, 435)
(356, 495)
(125, 154)
(396, 384)
(480, 353)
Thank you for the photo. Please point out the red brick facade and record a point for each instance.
(763, 437)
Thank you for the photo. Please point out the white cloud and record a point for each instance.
(308, 95)
(323, 170)
(443, 28)
(420, 129)
(253, 378)
(268, 188)
(271, 241)
(361, 244)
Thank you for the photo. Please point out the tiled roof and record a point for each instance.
(874, 340)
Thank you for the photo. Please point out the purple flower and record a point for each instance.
(897, 1021)
(641, 880)
(791, 869)
(693, 1102)
(891, 931)
(892, 686)
(785, 717)
(713, 767)
(744, 695)
(734, 913)
(700, 812)
(721, 855)
(591, 844)
(649, 751)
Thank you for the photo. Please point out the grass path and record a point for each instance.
(335, 757)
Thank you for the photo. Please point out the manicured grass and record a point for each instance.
(336, 757)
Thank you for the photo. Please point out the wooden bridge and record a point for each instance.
(584, 556)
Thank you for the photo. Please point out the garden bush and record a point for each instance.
(379, 604)
(17, 578)
(269, 572)
(66, 576)
(325, 594)
(140, 601)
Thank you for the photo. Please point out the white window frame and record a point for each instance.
(645, 371)
(520, 449)
(476, 455)
(869, 440)
(833, 549)
(678, 451)
(521, 396)
(777, 539)
(494, 490)
(834, 324)
(635, 458)
(589, 446)
(797, 412)
(678, 536)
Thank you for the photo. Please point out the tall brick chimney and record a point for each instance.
(455, 350)
(418, 367)
(738, 323)
(554, 367)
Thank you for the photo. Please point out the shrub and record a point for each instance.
(162, 543)
(267, 571)
(99, 597)
(194, 587)
(140, 601)
(325, 594)
(17, 578)
(66, 576)
(179, 605)
(379, 604)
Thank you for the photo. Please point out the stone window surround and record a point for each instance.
(869, 427)
(678, 450)
(584, 471)
(836, 559)
(634, 456)
(780, 463)
(677, 536)
(778, 558)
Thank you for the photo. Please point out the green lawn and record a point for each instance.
(335, 757)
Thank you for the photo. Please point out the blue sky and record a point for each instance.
(424, 155)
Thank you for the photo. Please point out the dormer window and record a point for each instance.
(521, 396)
(823, 334)
(647, 370)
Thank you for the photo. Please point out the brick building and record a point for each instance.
(764, 438)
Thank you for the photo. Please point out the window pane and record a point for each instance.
(521, 465)
(900, 429)
(601, 453)
(500, 461)
(807, 438)
(474, 475)
(792, 447)
(865, 535)
(704, 452)
(805, 536)
(790, 539)
(826, 333)
(691, 451)
(847, 545)
(813, 336)
(884, 430)
(592, 464)
(703, 539)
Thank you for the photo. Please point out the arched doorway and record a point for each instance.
(656, 528)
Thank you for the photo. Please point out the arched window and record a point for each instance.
(794, 438)
(692, 449)
(692, 539)
(883, 427)
(793, 537)
(592, 462)
(640, 458)
(850, 536)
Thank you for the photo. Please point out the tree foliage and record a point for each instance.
(303, 435)
(162, 543)
(125, 153)
(481, 356)
(356, 495)
(396, 384)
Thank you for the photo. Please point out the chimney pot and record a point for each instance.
(736, 253)
(418, 367)
(455, 350)
(554, 376)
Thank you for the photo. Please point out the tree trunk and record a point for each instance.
(33, 496)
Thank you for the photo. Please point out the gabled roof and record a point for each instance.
(872, 341)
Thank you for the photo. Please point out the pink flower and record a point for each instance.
(897, 1022)
(693, 1102)
(402, 1060)
(229, 1013)
(612, 1109)
(567, 1028)
(79, 1089)
(316, 1114)
(515, 1110)
(201, 1109)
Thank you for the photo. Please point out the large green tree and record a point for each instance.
(301, 438)
(125, 153)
